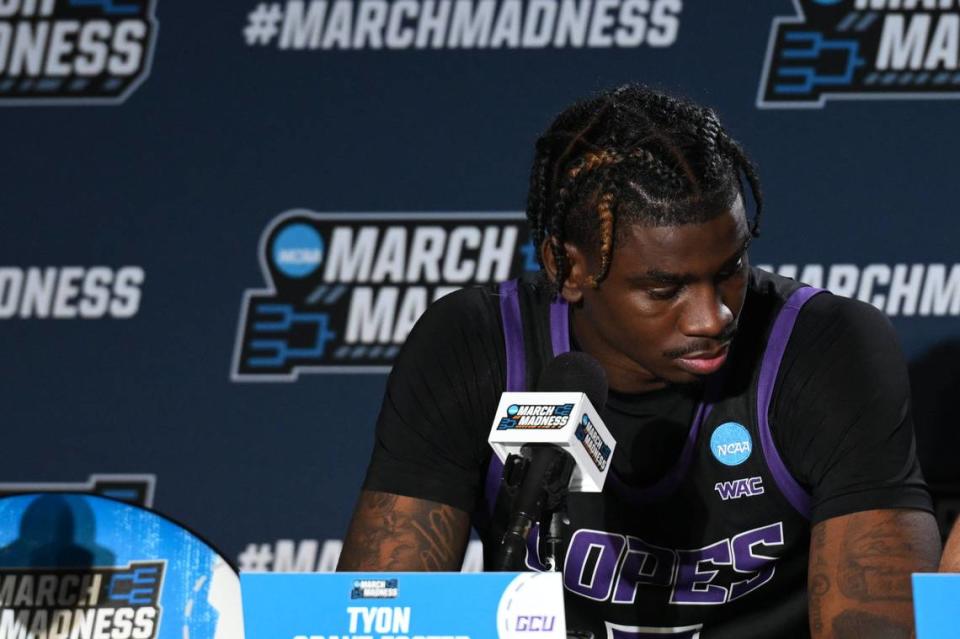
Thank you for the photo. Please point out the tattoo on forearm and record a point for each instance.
(879, 558)
(819, 581)
(436, 535)
(859, 572)
(392, 533)
(856, 623)
(819, 586)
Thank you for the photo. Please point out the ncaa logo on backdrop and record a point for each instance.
(862, 49)
(344, 290)
(731, 444)
(298, 250)
(74, 51)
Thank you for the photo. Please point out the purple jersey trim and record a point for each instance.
(516, 374)
(560, 336)
(560, 332)
(513, 337)
(559, 327)
(560, 341)
(772, 357)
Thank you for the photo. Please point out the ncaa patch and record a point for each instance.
(731, 444)
(860, 50)
(74, 52)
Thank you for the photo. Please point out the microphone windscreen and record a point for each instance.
(575, 372)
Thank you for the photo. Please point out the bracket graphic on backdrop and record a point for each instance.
(136, 489)
(861, 50)
(344, 289)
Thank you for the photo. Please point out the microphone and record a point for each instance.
(551, 442)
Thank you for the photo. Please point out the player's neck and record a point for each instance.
(623, 374)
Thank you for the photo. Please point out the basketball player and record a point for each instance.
(809, 525)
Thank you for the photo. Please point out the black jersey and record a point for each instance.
(714, 542)
(725, 527)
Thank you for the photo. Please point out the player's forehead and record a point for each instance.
(692, 249)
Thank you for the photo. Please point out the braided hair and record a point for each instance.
(631, 155)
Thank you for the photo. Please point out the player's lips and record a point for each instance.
(704, 363)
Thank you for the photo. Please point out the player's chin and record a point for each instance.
(677, 375)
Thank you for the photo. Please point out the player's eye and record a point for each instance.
(731, 270)
(666, 293)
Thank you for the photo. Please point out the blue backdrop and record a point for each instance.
(141, 199)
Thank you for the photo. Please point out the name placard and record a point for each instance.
(403, 606)
(935, 597)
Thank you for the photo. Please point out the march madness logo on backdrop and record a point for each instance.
(862, 49)
(345, 289)
(74, 51)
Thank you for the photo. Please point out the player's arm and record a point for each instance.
(430, 452)
(846, 432)
(391, 532)
(950, 562)
(860, 567)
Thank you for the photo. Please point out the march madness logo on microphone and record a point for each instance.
(344, 290)
(74, 51)
(593, 443)
(538, 417)
(862, 49)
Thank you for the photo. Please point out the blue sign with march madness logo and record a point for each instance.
(935, 598)
(400, 605)
(87, 567)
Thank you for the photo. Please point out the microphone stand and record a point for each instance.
(538, 481)
(553, 540)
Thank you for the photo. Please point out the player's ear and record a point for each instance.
(572, 288)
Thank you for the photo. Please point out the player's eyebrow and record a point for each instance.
(663, 278)
(657, 277)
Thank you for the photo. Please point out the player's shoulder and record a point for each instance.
(840, 315)
(465, 313)
(483, 302)
(466, 301)
(455, 334)
(841, 353)
(823, 311)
